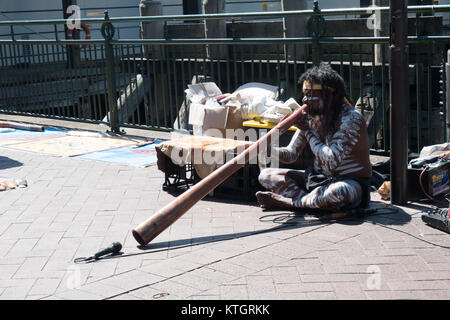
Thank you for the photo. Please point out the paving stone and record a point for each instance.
(348, 291)
(234, 292)
(227, 267)
(76, 294)
(309, 266)
(44, 287)
(285, 275)
(321, 296)
(175, 290)
(131, 280)
(419, 285)
(16, 289)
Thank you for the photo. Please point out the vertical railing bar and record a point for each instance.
(3, 97)
(169, 89)
(383, 97)
(72, 105)
(149, 104)
(33, 84)
(418, 88)
(128, 83)
(268, 62)
(311, 56)
(144, 71)
(184, 83)
(98, 70)
(91, 65)
(5, 72)
(13, 36)
(163, 86)
(87, 71)
(286, 69)
(228, 68)
(175, 81)
(350, 71)
(15, 82)
(429, 97)
(11, 84)
(204, 65)
(418, 99)
(361, 80)
(52, 89)
(121, 79)
(374, 95)
(196, 68)
(56, 79)
(29, 77)
(242, 65)
(135, 71)
(252, 65)
(211, 67)
(5, 77)
(63, 87)
(55, 29)
(80, 98)
(41, 79)
(189, 67)
(278, 71)
(18, 76)
(219, 67)
(82, 74)
(444, 79)
(105, 88)
(294, 66)
(260, 67)
(94, 77)
(23, 75)
(48, 81)
(326, 53)
(157, 103)
(235, 67)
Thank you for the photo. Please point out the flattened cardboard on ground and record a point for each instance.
(70, 146)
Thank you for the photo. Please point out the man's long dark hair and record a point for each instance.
(327, 77)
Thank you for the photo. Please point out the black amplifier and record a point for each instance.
(435, 179)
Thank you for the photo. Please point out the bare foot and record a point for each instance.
(270, 200)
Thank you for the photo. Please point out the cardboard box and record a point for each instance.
(208, 117)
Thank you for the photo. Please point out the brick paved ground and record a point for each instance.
(218, 250)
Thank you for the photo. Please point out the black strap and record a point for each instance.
(314, 179)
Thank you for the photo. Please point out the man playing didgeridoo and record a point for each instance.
(339, 178)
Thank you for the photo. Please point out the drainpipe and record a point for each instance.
(398, 98)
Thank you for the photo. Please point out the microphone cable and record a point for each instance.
(113, 249)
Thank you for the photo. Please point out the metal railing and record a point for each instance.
(141, 82)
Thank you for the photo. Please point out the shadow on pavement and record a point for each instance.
(287, 220)
(6, 163)
(293, 220)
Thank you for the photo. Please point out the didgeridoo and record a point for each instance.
(152, 227)
(21, 126)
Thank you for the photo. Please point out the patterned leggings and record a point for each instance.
(290, 184)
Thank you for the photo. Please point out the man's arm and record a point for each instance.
(291, 152)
